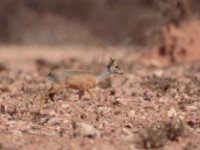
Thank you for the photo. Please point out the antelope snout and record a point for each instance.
(121, 72)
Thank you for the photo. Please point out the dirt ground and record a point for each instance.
(147, 107)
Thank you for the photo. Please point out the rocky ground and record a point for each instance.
(147, 107)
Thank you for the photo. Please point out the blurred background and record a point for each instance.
(108, 22)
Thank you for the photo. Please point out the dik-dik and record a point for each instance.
(79, 80)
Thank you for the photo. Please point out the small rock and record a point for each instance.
(65, 121)
(2, 109)
(89, 131)
(173, 92)
(112, 92)
(128, 125)
(28, 78)
(181, 117)
(104, 125)
(102, 108)
(11, 109)
(162, 99)
(158, 73)
(18, 84)
(11, 123)
(191, 108)
(4, 89)
(146, 96)
(44, 120)
(171, 113)
(131, 114)
(83, 116)
(52, 113)
(17, 132)
(185, 96)
(65, 106)
(31, 125)
(54, 121)
(61, 131)
(119, 101)
(125, 131)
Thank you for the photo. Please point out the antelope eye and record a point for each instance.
(117, 67)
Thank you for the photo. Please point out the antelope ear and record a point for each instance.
(112, 60)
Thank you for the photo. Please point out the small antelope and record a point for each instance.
(79, 80)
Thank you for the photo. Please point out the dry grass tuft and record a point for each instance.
(160, 133)
(160, 84)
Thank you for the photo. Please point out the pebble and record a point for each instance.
(171, 113)
(119, 101)
(11, 109)
(65, 106)
(89, 131)
(44, 120)
(2, 109)
(52, 113)
(162, 99)
(191, 108)
(104, 125)
(83, 116)
(17, 132)
(128, 125)
(131, 114)
(125, 131)
(11, 123)
(54, 121)
(158, 73)
(102, 108)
